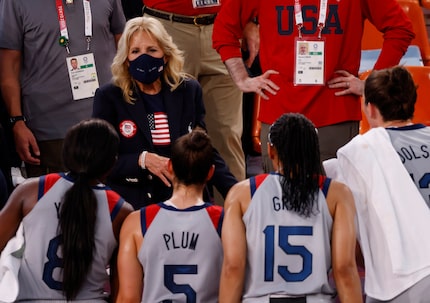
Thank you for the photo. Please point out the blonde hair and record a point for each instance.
(173, 72)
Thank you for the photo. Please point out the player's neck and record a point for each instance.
(397, 123)
(186, 196)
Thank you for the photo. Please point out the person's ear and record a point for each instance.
(273, 154)
(271, 150)
(373, 115)
(170, 167)
(210, 173)
(373, 111)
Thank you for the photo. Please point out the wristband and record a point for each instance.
(142, 159)
(15, 119)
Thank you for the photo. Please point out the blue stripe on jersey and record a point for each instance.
(325, 186)
(143, 220)
(46, 182)
(41, 187)
(221, 220)
(255, 182)
(408, 127)
(252, 185)
(191, 208)
(147, 215)
(116, 209)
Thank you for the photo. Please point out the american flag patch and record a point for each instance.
(158, 123)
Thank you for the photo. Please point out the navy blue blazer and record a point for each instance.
(185, 110)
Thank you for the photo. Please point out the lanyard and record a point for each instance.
(64, 39)
(299, 16)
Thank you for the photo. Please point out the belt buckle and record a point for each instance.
(195, 21)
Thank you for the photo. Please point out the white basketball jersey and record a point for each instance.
(287, 254)
(40, 275)
(181, 253)
(412, 143)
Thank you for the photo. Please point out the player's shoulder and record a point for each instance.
(339, 195)
(338, 187)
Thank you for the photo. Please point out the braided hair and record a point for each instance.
(296, 141)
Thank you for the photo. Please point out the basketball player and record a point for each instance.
(171, 251)
(71, 221)
(284, 232)
(388, 171)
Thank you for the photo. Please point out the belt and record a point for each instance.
(288, 300)
(196, 20)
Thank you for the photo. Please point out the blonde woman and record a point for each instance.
(151, 103)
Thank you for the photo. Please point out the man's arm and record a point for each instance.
(117, 37)
(261, 85)
(390, 19)
(231, 23)
(251, 41)
(342, 209)
(25, 142)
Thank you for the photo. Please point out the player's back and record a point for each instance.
(412, 143)
(40, 275)
(181, 253)
(287, 254)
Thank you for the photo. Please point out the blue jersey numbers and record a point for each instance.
(169, 274)
(54, 261)
(283, 242)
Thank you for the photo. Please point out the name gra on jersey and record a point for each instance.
(278, 204)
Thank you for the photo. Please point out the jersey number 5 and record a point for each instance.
(269, 259)
(170, 271)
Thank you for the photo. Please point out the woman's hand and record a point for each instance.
(157, 165)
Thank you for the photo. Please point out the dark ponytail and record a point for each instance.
(89, 152)
(296, 142)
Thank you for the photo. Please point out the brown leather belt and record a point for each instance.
(196, 20)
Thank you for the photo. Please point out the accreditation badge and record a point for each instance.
(83, 76)
(309, 61)
(205, 3)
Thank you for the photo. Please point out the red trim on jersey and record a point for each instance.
(321, 181)
(112, 199)
(215, 212)
(260, 179)
(50, 180)
(150, 212)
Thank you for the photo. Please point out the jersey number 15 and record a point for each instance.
(269, 259)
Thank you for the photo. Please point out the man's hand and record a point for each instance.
(350, 84)
(26, 144)
(260, 85)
